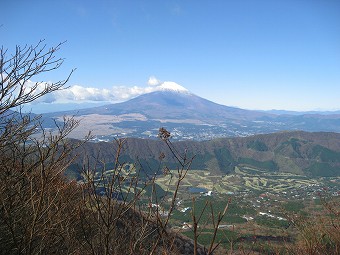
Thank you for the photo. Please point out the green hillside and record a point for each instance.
(310, 154)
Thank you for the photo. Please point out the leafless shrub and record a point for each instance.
(36, 203)
(319, 233)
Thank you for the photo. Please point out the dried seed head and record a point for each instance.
(164, 134)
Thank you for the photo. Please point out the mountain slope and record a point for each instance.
(312, 154)
(175, 105)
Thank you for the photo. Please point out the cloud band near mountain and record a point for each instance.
(77, 93)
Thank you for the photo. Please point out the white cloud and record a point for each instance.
(73, 94)
(153, 81)
(80, 94)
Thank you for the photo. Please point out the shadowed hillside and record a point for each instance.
(312, 154)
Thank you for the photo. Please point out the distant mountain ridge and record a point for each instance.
(286, 112)
(312, 154)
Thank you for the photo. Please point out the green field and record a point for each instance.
(243, 178)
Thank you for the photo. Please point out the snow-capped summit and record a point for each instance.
(172, 86)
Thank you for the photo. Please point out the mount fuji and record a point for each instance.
(188, 116)
(172, 102)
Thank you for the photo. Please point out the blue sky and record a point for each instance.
(255, 54)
